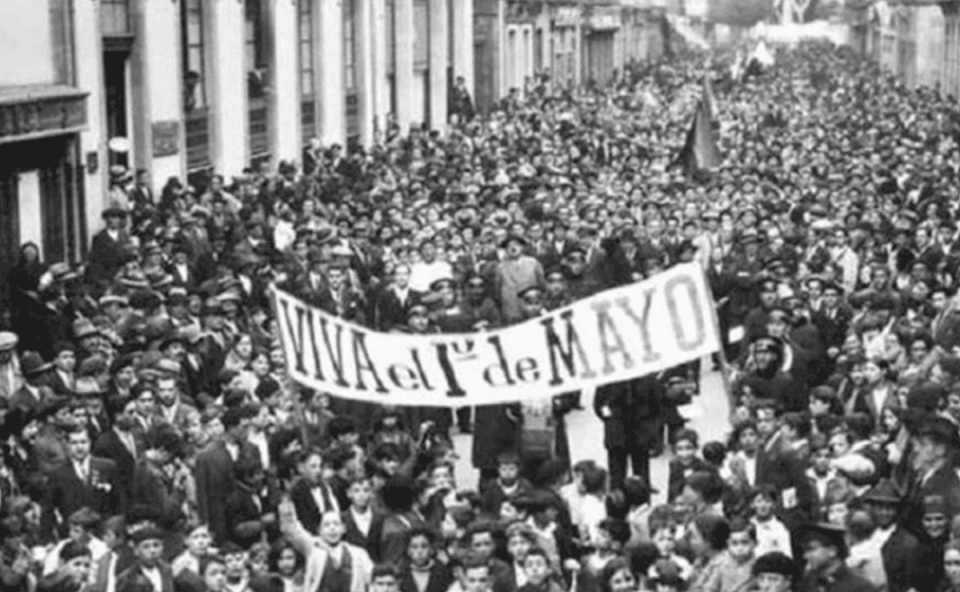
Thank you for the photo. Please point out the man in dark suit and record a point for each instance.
(311, 495)
(832, 317)
(340, 299)
(149, 571)
(84, 480)
(936, 441)
(122, 443)
(631, 412)
(361, 521)
(394, 301)
(779, 467)
(247, 509)
(214, 470)
(108, 251)
(900, 549)
(33, 396)
(825, 551)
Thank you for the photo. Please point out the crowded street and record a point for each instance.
(707, 416)
(686, 324)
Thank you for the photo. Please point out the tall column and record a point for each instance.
(439, 25)
(157, 80)
(228, 88)
(330, 66)
(381, 55)
(403, 47)
(89, 77)
(503, 52)
(283, 100)
(366, 72)
(463, 41)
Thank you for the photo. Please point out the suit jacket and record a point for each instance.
(393, 536)
(390, 312)
(213, 473)
(440, 579)
(843, 580)
(109, 445)
(243, 516)
(833, 329)
(187, 280)
(785, 471)
(185, 417)
(308, 512)
(58, 385)
(943, 482)
(125, 581)
(25, 400)
(370, 541)
(106, 256)
(631, 411)
(901, 560)
(101, 492)
(152, 489)
(349, 306)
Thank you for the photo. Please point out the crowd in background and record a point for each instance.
(152, 441)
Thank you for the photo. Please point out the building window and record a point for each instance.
(115, 18)
(193, 55)
(255, 54)
(349, 46)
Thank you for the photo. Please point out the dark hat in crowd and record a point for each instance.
(83, 328)
(513, 238)
(32, 364)
(767, 345)
(147, 533)
(827, 535)
(884, 492)
(417, 310)
(939, 429)
(774, 562)
(85, 517)
(114, 212)
(926, 397)
(530, 294)
(934, 505)
(441, 284)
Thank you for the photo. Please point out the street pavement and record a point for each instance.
(708, 414)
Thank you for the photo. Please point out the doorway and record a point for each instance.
(115, 85)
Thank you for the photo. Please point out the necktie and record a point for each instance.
(327, 498)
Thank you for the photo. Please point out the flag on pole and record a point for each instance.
(699, 151)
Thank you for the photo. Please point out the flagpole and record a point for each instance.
(722, 354)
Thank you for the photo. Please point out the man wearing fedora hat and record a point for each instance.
(825, 550)
(936, 441)
(899, 549)
(108, 251)
(34, 394)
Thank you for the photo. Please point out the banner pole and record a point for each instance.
(721, 352)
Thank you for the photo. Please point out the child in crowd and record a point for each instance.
(539, 576)
(684, 463)
(664, 537)
(769, 532)
(734, 570)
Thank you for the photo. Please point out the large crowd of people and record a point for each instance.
(152, 441)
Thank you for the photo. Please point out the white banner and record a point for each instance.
(614, 335)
